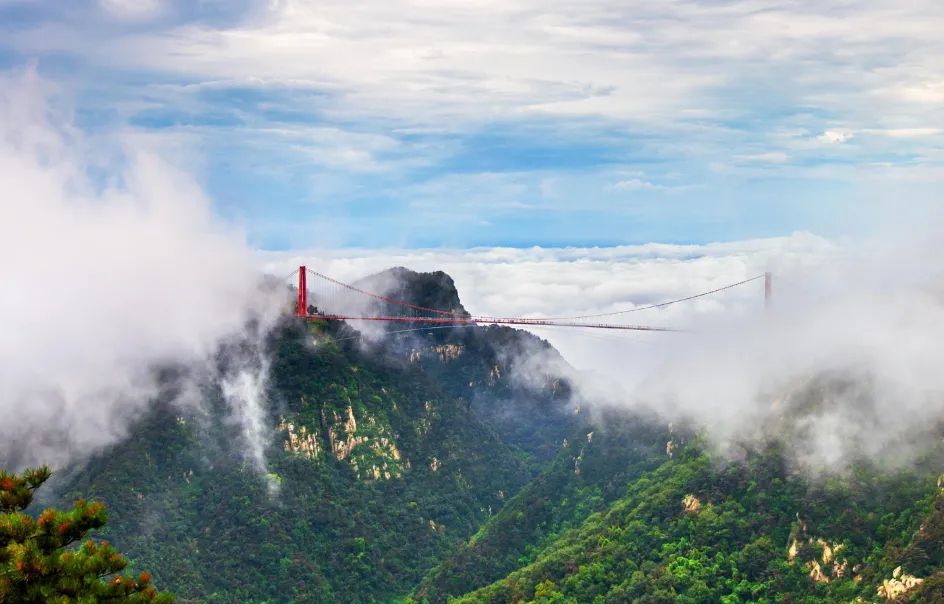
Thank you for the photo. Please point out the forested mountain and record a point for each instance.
(460, 464)
(387, 456)
(693, 530)
(676, 523)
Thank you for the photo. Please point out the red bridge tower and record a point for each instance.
(302, 292)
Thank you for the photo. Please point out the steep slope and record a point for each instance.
(380, 475)
(687, 532)
(510, 379)
(692, 527)
(387, 457)
(608, 451)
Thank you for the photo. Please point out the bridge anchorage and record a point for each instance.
(338, 301)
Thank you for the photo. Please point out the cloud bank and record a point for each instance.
(844, 364)
(112, 266)
(554, 282)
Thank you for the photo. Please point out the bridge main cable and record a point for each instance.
(661, 305)
(466, 318)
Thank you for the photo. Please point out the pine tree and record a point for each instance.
(37, 563)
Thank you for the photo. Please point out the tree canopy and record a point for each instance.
(38, 562)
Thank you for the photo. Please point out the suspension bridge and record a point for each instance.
(322, 298)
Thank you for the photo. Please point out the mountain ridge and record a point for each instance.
(379, 469)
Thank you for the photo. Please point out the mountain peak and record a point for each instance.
(435, 290)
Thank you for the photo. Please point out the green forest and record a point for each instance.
(418, 469)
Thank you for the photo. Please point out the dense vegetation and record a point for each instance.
(333, 530)
(459, 465)
(392, 469)
(692, 531)
(591, 471)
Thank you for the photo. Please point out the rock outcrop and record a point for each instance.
(817, 572)
(899, 585)
(372, 454)
(301, 442)
(690, 504)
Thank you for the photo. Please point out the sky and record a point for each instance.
(432, 124)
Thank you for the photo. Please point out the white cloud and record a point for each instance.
(835, 136)
(865, 325)
(469, 194)
(133, 9)
(103, 282)
(633, 60)
(923, 92)
(638, 182)
(906, 132)
(775, 157)
(703, 81)
(336, 148)
(634, 184)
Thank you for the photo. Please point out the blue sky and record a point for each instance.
(401, 123)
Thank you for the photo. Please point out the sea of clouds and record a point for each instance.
(845, 359)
